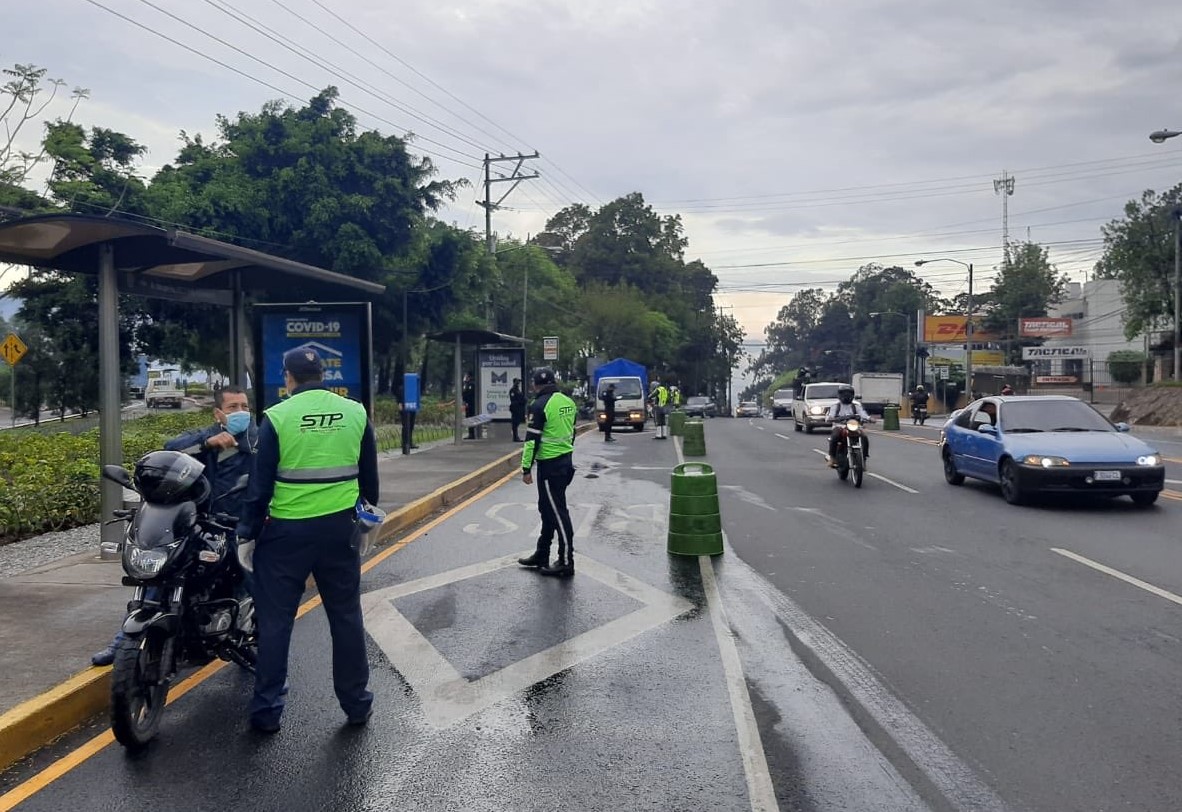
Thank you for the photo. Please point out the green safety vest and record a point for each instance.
(319, 443)
(662, 395)
(558, 432)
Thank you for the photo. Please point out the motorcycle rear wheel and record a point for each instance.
(139, 690)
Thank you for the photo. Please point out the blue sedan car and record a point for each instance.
(1048, 444)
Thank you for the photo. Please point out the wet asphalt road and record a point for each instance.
(646, 682)
(1056, 681)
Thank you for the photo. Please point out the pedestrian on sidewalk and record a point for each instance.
(609, 411)
(468, 391)
(407, 418)
(317, 458)
(227, 450)
(516, 408)
(550, 441)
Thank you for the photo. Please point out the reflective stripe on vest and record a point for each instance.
(319, 436)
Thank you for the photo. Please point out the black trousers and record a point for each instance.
(288, 551)
(607, 430)
(517, 420)
(553, 478)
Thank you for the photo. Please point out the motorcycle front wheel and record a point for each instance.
(139, 690)
(857, 467)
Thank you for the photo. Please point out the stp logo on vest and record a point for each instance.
(328, 420)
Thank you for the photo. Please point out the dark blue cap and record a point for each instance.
(303, 362)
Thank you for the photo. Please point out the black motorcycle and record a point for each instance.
(851, 455)
(919, 415)
(189, 605)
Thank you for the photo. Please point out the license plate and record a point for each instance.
(1106, 476)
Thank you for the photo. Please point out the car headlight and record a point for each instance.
(853, 425)
(816, 410)
(634, 414)
(1149, 459)
(1045, 462)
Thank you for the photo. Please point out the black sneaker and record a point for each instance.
(535, 560)
(104, 657)
(361, 719)
(558, 570)
(267, 726)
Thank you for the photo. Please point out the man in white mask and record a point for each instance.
(227, 450)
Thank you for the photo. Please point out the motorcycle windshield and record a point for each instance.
(162, 525)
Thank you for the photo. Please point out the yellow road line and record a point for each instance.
(25, 790)
(1175, 495)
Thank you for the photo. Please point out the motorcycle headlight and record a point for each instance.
(603, 415)
(853, 425)
(1149, 459)
(145, 563)
(816, 410)
(1044, 461)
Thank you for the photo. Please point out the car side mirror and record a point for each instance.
(1123, 427)
(987, 428)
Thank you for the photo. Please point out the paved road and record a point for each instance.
(1057, 680)
(901, 647)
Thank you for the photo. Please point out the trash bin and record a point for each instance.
(890, 418)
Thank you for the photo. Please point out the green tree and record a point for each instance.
(1139, 252)
(1126, 366)
(1027, 285)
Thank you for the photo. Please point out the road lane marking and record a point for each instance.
(898, 485)
(1174, 495)
(1128, 579)
(759, 780)
(1174, 481)
(680, 455)
(783, 436)
(31, 786)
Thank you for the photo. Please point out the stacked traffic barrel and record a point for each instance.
(695, 524)
(694, 438)
(676, 422)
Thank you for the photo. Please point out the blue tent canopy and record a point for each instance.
(618, 368)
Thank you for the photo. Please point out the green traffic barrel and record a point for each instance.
(676, 422)
(695, 524)
(694, 442)
(890, 418)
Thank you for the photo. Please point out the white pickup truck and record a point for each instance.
(782, 404)
(812, 410)
(164, 391)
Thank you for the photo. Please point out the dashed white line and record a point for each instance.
(1128, 579)
(783, 436)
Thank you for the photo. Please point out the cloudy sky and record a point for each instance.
(798, 139)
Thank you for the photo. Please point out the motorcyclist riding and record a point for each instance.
(845, 407)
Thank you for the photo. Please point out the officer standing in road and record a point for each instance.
(609, 412)
(659, 398)
(317, 458)
(550, 441)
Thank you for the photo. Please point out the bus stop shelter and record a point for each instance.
(140, 259)
(468, 336)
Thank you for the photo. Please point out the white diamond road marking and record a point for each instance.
(446, 696)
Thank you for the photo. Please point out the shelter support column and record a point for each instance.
(110, 413)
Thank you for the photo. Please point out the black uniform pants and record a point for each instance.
(553, 478)
(610, 417)
(288, 551)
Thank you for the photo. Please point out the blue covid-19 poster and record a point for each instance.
(338, 333)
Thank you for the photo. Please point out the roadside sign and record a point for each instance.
(1036, 353)
(550, 348)
(944, 372)
(13, 349)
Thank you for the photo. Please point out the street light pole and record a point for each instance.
(1157, 137)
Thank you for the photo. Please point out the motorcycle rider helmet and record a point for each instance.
(919, 388)
(543, 376)
(845, 393)
(170, 477)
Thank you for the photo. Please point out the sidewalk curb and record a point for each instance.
(39, 721)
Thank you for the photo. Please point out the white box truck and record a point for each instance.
(877, 390)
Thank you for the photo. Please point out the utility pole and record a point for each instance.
(968, 341)
(1005, 187)
(515, 177)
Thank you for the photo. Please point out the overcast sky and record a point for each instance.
(799, 140)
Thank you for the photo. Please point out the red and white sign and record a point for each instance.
(1056, 379)
(1044, 327)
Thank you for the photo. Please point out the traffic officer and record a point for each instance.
(550, 441)
(659, 398)
(317, 457)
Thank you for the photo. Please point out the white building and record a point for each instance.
(1097, 310)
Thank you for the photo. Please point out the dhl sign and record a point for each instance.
(951, 330)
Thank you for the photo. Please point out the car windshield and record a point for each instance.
(1051, 415)
(821, 390)
(697, 401)
(783, 394)
(624, 389)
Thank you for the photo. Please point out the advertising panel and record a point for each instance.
(1049, 353)
(951, 330)
(1045, 327)
(498, 368)
(1053, 379)
(989, 358)
(338, 332)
